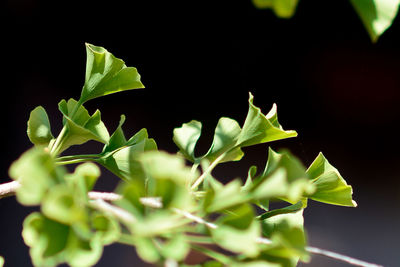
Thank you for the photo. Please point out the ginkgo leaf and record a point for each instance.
(39, 130)
(224, 141)
(36, 171)
(81, 127)
(106, 74)
(377, 15)
(259, 128)
(330, 186)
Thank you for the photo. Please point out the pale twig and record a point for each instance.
(99, 201)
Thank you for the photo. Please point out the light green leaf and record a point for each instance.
(286, 232)
(168, 178)
(331, 187)
(52, 243)
(242, 241)
(61, 204)
(282, 8)
(106, 227)
(84, 177)
(259, 128)
(147, 250)
(186, 137)
(1, 261)
(81, 127)
(106, 74)
(120, 156)
(39, 130)
(284, 177)
(176, 248)
(225, 137)
(37, 172)
(377, 15)
(224, 197)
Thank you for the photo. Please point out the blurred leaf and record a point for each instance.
(37, 172)
(106, 74)
(282, 8)
(52, 243)
(39, 130)
(238, 240)
(106, 227)
(176, 248)
(158, 222)
(259, 128)
(147, 250)
(289, 209)
(62, 205)
(81, 127)
(227, 196)
(1, 261)
(377, 15)
(286, 232)
(331, 188)
(84, 177)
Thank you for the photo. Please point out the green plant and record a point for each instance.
(376, 15)
(166, 204)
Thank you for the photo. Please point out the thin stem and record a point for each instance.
(74, 161)
(73, 157)
(208, 171)
(56, 146)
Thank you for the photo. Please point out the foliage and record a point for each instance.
(376, 15)
(169, 204)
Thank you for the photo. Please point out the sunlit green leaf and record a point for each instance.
(186, 138)
(1, 261)
(39, 130)
(282, 8)
(284, 177)
(377, 15)
(106, 74)
(330, 185)
(225, 137)
(259, 128)
(37, 172)
(121, 156)
(81, 127)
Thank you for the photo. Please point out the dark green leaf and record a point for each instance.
(39, 130)
(106, 74)
(259, 128)
(106, 227)
(330, 186)
(377, 15)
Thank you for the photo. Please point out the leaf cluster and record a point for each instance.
(168, 204)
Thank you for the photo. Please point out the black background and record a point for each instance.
(199, 60)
